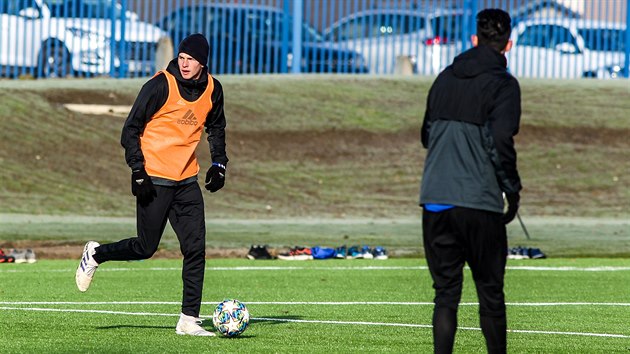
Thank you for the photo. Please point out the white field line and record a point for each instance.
(515, 268)
(324, 303)
(408, 325)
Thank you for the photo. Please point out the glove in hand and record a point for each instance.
(215, 177)
(512, 200)
(142, 187)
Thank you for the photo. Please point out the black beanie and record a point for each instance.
(196, 46)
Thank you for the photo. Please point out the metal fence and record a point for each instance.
(131, 38)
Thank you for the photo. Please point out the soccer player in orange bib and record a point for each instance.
(160, 136)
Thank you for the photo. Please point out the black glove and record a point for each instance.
(215, 177)
(512, 200)
(142, 187)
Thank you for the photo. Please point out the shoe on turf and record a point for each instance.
(6, 258)
(354, 253)
(263, 253)
(253, 252)
(191, 326)
(87, 266)
(366, 253)
(536, 253)
(340, 252)
(30, 256)
(379, 253)
(18, 255)
(259, 252)
(297, 254)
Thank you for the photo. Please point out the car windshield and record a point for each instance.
(394, 24)
(270, 25)
(84, 8)
(448, 27)
(604, 39)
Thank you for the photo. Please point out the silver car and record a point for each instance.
(430, 39)
(567, 48)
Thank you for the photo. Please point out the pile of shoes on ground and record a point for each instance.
(17, 256)
(306, 253)
(525, 253)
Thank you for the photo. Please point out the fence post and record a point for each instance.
(122, 69)
(626, 64)
(469, 25)
(112, 42)
(296, 68)
(284, 46)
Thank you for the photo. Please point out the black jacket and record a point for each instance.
(153, 96)
(473, 112)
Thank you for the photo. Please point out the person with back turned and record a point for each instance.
(472, 115)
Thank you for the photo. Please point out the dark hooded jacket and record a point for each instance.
(153, 96)
(472, 114)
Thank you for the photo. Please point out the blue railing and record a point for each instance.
(87, 38)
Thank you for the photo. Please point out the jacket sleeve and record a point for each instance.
(505, 116)
(426, 123)
(151, 98)
(215, 126)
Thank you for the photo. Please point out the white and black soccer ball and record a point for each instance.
(230, 317)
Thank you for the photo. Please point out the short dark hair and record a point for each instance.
(494, 27)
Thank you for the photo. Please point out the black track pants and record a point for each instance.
(183, 207)
(452, 238)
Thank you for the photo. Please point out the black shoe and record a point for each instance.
(258, 252)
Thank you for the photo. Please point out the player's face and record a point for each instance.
(189, 67)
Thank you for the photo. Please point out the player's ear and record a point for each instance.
(508, 46)
(474, 40)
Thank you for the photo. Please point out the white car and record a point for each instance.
(429, 39)
(54, 38)
(566, 48)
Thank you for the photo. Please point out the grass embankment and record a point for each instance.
(314, 147)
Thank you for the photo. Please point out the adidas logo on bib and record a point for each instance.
(188, 119)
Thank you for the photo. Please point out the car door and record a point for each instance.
(547, 51)
(528, 57)
(352, 33)
(567, 59)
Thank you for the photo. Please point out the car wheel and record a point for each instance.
(55, 61)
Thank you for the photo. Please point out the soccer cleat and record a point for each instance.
(190, 326)
(18, 255)
(366, 253)
(87, 266)
(253, 252)
(258, 252)
(354, 253)
(30, 256)
(297, 254)
(340, 252)
(379, 253)
(536, 253)
(6, 258)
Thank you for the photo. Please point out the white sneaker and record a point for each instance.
(189, 325)
(87, 267)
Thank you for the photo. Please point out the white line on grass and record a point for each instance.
(526, 268)
(408, 325)
(324, 303)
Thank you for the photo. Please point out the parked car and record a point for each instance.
(249, 39)
(567, 48)
(429, 38)
(53, 38)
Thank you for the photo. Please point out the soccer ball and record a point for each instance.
(230, 317)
